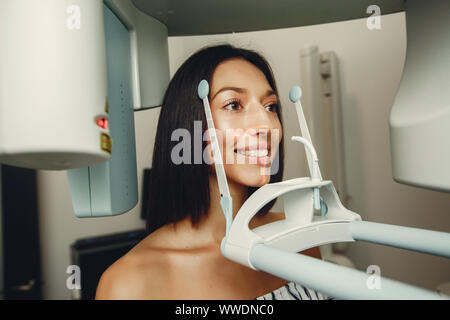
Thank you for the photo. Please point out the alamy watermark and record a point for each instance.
(74, 280)
(266, 140)
(73, 21)
(374, 21)
(373, 282)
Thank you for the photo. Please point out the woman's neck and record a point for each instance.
(211, 229)
(214, 224)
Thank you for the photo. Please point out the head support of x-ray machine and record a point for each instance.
(301, 196)
(301, 229)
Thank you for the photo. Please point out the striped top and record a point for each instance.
(293, 291)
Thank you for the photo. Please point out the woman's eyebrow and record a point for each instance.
(269, 92)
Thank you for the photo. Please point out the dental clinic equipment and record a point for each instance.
(272, 247)
(53, 95)
(294, 95)
(226, 201)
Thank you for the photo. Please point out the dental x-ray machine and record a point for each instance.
(65, 92)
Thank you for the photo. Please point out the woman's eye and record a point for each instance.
(273, 107)
(232, 105)
(236, 105)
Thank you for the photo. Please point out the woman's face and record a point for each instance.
(244, 110)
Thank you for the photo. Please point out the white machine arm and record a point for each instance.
(273, 247)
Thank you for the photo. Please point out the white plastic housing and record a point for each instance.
(300, 230)
(53, 83)
(149, 54)
(420, 116)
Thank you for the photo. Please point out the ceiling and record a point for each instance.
(200, 17)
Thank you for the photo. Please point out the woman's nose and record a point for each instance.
(261, 132)
(261, 124)
(259, 117)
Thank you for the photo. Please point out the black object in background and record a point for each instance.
(145, 190)
(21, 245)
(94, 255)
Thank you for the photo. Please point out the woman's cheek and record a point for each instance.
(248, 176)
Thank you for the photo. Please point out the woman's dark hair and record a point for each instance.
(178, 191)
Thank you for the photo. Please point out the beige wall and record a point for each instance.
(371, 64)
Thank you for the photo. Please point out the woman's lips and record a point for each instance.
(261, 160)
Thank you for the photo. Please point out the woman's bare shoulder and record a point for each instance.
(277, 215)
(267, 218)
(139, 274)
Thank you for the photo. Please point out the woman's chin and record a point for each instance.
(255, 176)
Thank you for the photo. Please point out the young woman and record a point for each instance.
(181, 257)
